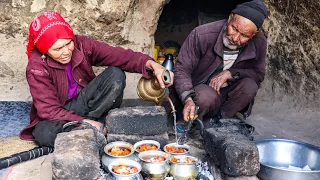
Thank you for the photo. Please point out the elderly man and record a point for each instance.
(221, 64)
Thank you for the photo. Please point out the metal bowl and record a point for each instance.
(137, 144)
(127, 163)
(276, 155)
(107, 158)
(185, 146)
(184, 171)
(154, 170)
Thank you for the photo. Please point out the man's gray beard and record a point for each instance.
(226, 43)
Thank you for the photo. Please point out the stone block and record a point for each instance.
(163, 139)
(218, 175)
(140, 120)
(233, 152)
(226, 177)
(76, 155)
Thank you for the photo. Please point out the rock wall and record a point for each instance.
(292, 30)
(126, 23)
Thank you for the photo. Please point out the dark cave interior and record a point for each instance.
(180, 17)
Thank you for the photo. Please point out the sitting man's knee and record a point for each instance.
(249, 87)
(206, 97)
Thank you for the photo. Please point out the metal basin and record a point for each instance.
(276, 155)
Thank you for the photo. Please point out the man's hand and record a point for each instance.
(96, 124)
(217, 81)
(158, 72)
(188, 109)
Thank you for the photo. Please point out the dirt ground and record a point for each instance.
(275, 120)
(271, 120)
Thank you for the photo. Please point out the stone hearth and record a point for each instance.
(225, 146)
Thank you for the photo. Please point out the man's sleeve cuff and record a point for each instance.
(186, 94)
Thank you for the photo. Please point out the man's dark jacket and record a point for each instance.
(201, 54)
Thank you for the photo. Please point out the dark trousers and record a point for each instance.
(231, 100)
(103, 93)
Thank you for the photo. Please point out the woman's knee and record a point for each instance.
(44, 138)
(116, 73)
(45, 132)
(118, 77)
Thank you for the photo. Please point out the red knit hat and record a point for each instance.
(45, 30)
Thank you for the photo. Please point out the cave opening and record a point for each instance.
(180, 17)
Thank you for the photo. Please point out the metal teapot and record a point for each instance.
(150, 90)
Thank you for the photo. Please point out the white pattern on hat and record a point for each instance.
(50, 15)
(36, 24)
(49, 26)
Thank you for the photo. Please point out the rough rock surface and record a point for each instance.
(293, 33)
(140, 120)
(231, 150)
(76, 155)
(163, 139)
(126, 23)
(292, 29)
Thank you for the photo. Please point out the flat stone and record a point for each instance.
(226, 177)
(233, 152)
(232, 125)
(218, 175)
(163, 139)
(76, 155)
(140, 120)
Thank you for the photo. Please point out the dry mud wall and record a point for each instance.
(292, 30)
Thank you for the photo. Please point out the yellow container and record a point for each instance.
(169, 50)
(156, 52)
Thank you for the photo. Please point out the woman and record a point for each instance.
(62, 83)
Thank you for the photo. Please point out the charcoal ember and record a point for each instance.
(139, 120)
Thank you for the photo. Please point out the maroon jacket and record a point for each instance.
(49, 84)
(201, 54)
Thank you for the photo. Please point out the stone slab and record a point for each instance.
(163, 139)
(139, 120)
(218, 175)
(76, 155)
(232, 152)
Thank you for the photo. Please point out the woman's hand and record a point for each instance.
(96, 124)
(158, 72)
